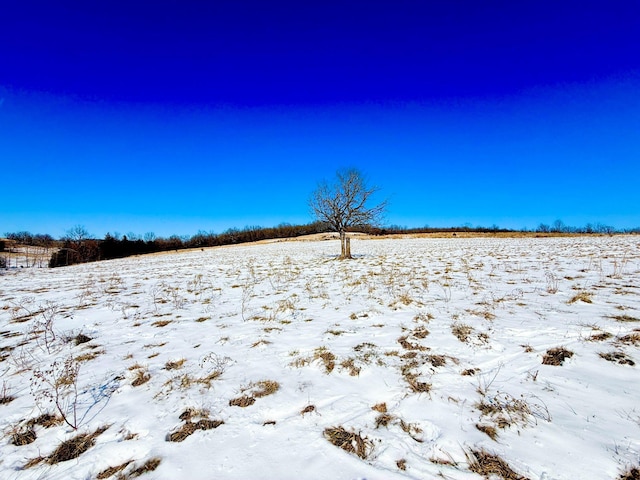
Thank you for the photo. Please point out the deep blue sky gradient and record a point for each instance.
(175, 117)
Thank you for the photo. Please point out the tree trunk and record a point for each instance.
(345, 246)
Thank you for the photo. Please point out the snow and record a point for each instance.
(272, 311)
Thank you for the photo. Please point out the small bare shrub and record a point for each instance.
(58, 385)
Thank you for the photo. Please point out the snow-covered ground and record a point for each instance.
(417, 354)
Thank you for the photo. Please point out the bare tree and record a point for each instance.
(344, 204)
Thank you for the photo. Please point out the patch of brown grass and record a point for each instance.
(189, 428)
(148, 466)
(142, 377)
(599, 337)
(23, 437)
(109, 472)
(556, 356)
(350, 365)
(327, 358)
(69, 449)
(625, 318)
(351, 442)
(174, 364)
(490, 430)
(407, 345)
(384, 419)
(631, 474)
(308, 409)
(581, 297)
(380, 407)
(491, 466)
(46, 420)
(617, 357)
(630, 339)
(243, 401)
(161, 323)
(461, 331)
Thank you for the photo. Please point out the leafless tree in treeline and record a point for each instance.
(344, 204)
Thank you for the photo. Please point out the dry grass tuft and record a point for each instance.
(351, 442)
(631, 474)
(461, 331)
(617, 357)
(581, 297)
(599, 337)
(556, 356)
(174, 364)
(469, 372)
(491, 466)
(350, 365)
(407, 345)
(189, 428)
(161, 323)
(417, 386)
(490, 430)
(631, 339)
(401, 464)
(625, 318)
(69, 449)
(46, 420)
(437, 360)
(308, 409)
(148, 466)
(25, 437)
(142, 377)
(109, 472)
(243, 401)
(380, 407)
(264, 388)
(81, 338)
(384, 419)
(328, 358)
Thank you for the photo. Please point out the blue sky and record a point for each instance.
(174, 117)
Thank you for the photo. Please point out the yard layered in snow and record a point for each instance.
(423, 357)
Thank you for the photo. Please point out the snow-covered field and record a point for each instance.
(427, 358)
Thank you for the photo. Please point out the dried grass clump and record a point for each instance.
(328, 358)
(469, 372)
(420, 332)
(142, 377)
(625, 318)
(161, 323)
(46, 420)
(308, 409)
(174, 364)
(109, 472)
(631, 474)
(417, 386)
(189, 428)
(437, 360)
(350, 365)
(69, 449)
(81, 338)
(23, 437)
(461, 331)
(491, 466)
(407, 345)
(401, 464)
(384, 419)
(581, 297)
(599, 337)
(617, 357)
(490, 430)
(556, 356)
(148, 466)
(351, 442)
(264, 388)
(380, 407)
(631, 339)
(243, 401)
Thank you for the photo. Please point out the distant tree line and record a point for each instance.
(78, 246)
